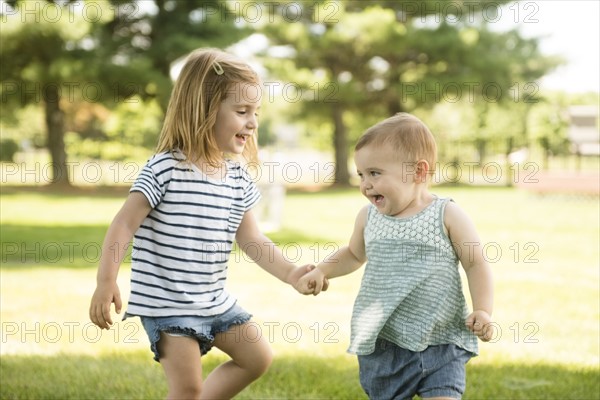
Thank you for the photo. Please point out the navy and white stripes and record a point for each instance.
(181, 250)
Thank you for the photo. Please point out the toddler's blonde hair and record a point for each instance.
(405, 134)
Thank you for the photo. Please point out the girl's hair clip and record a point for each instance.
(217, 67)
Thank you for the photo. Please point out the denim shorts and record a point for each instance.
(391, 372)
(203, 329)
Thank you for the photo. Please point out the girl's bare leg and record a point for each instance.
(180, 359)
(250, 355)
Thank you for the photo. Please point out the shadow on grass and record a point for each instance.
(134, 376)
(73, 246)
(58, 191)
(64, 246)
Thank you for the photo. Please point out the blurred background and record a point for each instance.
(510, 89)
(499, 82)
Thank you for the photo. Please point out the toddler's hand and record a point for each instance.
(312, 282)
(480, 323)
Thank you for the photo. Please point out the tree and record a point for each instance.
(69, 51)
(389, 56)
(36, 68)
(150, 36)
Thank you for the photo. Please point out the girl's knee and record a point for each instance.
(249, 351)
(262, 362)
(188, 390)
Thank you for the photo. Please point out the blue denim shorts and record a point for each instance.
(391, 372)
(203, 329)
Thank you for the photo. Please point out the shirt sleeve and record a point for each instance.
(251, 193)
(149, 185)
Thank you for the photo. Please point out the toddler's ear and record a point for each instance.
(422, 171)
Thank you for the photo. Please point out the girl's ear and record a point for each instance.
(422, 171)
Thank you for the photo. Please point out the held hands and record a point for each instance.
(480, 323)
(312, 282)
(104, 295)
(298, 279)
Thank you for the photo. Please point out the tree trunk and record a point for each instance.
(480, 146)
(56, 133)
(510, 173)
(340, 143)
(394, 107)
(480, 141)
(394, 104)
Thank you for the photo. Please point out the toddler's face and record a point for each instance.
(385, 179)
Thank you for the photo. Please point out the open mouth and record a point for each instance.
(242, 137)
(378, 199)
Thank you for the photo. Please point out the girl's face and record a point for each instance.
(388, 182)
(237, 118)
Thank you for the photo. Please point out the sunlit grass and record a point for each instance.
(543, 251)
(132, 375)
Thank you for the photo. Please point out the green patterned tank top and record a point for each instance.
(411, 291)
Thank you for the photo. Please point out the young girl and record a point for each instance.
(410, 325)
(184, 211)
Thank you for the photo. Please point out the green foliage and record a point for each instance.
(416, 56)
(135, 122)
(8, 149)
(549, 122)
(65, 55)
(39, 51)
(92, 149)
(352, 63)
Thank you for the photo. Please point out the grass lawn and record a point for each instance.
(543, 251)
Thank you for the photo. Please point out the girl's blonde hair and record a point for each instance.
(405, 134)
(205, 80)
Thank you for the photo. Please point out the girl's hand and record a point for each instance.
(100, 305)
(480, 323)
(312, 282)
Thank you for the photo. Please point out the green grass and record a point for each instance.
(131, 375)
(543, 251)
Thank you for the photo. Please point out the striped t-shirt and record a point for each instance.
(180, 252)
(411, 291)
